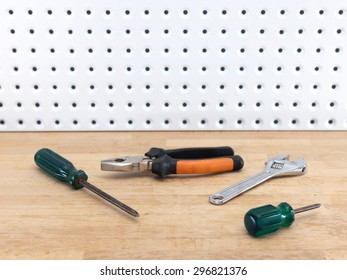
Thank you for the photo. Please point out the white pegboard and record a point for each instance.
(173, 65)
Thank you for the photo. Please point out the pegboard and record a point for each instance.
(173, 65)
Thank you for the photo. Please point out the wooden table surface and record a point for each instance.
(42, 218)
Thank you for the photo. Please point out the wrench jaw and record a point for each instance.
(285, 167)
(280, 157)
(299, 167)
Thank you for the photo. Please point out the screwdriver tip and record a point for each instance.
(133, 213)
(127, 209)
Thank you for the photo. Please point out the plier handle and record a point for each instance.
(178, 161)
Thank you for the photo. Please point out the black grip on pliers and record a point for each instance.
(164, 166)
(191, 153)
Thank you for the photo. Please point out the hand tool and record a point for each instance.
(178, 161)
(268, 218)
(276, 166)
(63, 170)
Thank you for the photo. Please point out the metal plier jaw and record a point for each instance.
(178, 161)
(127, 164)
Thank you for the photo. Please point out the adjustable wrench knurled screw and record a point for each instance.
(275, 167)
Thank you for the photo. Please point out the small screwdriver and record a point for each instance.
(63, 170)
(268, 218)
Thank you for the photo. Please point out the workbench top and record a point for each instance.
(42, 218)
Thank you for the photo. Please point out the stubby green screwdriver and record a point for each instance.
(63, 170)
(268, 218)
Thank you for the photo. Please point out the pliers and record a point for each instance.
(178, 161)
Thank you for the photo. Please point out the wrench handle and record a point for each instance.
(235, 190)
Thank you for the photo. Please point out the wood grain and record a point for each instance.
(45, 219)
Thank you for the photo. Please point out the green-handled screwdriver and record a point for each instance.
(63, 170)
(268, 218)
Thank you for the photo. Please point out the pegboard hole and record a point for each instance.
(259, 88)
(314, 105)
(276, 122)
(295, 105)
(240, 105)
(334, 86)
(321, 12)
(336, 69)
(203, 123)
(184, 123)
(278, 88)
(221, 106)
(184, 106)
(331, 123)
(166, 123)
(294, 123)
(315, 87)
(333, 105)
(301, 12)
(313, 123)
(224, 12)
(258, 123)
(239, 123)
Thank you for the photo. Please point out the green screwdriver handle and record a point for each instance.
(268, 218)
(60, 168)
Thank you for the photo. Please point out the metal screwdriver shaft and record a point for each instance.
(110, 199)
(306, 208)
(63, 170)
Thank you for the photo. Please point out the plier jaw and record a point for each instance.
(127, 164)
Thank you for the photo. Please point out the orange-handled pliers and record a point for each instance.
(178, 161)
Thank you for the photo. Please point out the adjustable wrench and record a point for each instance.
(276, 166)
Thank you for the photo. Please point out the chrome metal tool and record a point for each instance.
(275, 167)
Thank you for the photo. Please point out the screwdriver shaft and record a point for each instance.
(110, 199)
(306, 208)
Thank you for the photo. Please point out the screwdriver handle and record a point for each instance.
(268, 218)
(167, 165)
(60, 168)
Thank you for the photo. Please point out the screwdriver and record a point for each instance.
(268, 218)
(63, 170)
